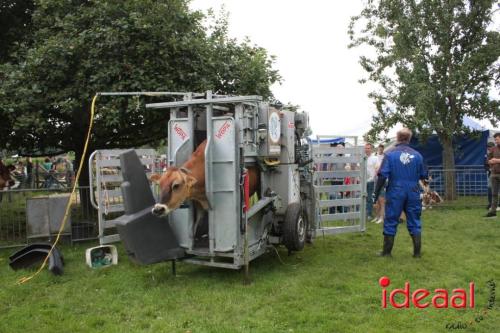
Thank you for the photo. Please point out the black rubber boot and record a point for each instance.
(388, 244)
(417, 245)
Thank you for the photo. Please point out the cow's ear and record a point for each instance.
(155, 177)
(190, 181)
(186, 171)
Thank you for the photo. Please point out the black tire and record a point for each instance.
(294, 228)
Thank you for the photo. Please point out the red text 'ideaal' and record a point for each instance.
(423, 298)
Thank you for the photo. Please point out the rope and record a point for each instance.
(68, 205)
(281, 260)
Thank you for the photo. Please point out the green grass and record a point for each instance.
(332, 286)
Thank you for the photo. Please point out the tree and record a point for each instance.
(15, 25)
(434, 63)
(81, 47)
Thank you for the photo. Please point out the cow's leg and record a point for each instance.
(200, 213)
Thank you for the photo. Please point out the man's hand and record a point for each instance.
(493, 161)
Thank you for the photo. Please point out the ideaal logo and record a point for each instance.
(440, 298)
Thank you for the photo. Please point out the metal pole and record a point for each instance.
(145, 93)
(190, 121)
(209, 99)
(246, 252)
(209, 174)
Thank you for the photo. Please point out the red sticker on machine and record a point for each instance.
(180, 132)
(223, 129)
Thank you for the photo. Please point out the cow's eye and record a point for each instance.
(175, 187)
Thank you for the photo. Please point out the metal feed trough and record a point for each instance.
(241, 132)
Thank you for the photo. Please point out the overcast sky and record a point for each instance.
(309, 39)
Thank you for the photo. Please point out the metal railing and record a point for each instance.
(14, 215)
(340, 187)
(471, 184)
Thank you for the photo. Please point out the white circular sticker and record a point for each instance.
(274, 127)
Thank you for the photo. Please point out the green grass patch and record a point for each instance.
(332, 286)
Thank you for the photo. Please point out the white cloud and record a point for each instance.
(310, 41)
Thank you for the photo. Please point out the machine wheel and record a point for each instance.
(294, 228)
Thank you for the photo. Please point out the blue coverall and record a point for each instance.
(404, 167)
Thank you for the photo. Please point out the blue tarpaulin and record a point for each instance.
(470, 176)
(468, 150)
(326, 140)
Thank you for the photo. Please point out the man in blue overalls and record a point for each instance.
(403, 167)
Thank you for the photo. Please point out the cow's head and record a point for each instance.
(175, 188)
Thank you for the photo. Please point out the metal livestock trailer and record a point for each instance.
(294, 202)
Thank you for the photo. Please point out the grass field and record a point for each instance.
(332, 286)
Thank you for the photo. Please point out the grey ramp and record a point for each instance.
(147, 238)
(137, 194)
(34, 254)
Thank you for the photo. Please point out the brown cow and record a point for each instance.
(6, 180)
(5, 177)
(188, 183)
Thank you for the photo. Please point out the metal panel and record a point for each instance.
(212, 263)
(336, 174)
(339, 186)
(37, 217)
(287, 137)
(179, 222)
(179, 148)
(224, 216)
(286, 183)
(339, 230)
(105, 176)
(339, 202)
(109, 239)
(45, 215)
(112, 178)
(338, 159)
(340, 216)
(57, 208)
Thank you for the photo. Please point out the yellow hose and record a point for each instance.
(68, 205)
(270, 162)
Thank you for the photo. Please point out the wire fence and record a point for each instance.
(30, 215)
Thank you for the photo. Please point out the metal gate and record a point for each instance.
(339, 183)
(105, 180)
